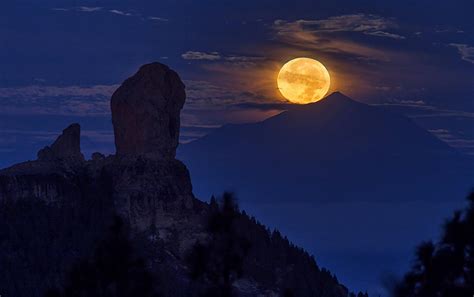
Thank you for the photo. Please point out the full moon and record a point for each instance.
(303, 80)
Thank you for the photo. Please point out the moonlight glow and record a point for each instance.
(303, 80)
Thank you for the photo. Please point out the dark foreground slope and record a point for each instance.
(62, 215)
(55, 210)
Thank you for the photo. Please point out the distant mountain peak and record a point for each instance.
(332, 105)
(337, 94)
(336, 97)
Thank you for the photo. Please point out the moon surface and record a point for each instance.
(303, 80)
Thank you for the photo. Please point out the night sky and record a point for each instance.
(61, 61)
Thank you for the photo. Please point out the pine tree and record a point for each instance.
(113, 271)
(219, 262)
(445, 269)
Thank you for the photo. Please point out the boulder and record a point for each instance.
(146, 113)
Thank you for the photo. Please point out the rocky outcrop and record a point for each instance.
(145, 112)
(144, 177)
(66, 147)
(143, 183)
(55, 209)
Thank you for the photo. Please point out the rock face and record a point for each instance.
(144, 179)
(145, 112)
(66, 147)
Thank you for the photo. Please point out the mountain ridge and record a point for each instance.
(326, 133)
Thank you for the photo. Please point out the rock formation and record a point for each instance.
(55, 209)
(145, 112)
(145, 181)
(66, 147)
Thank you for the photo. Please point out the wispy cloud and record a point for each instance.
(79, 9)
(195, 55)
(324, 35)
(232, 58)
(216, 56)
(466, 51)
(206, 95)
(120, 12)
(89, 9)
(52, 91)
(385, 34)
(71, 100)
(455, 139)
(94, 100)
(114, 11)
(367, 24)
(209, 105)
(407, 103)
(159, 19)
(350, 23)
(420, 109)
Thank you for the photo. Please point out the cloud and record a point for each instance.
(52, 91)
(350, 23)
(325, 35)
(455, 140)
(194, 55)
(243, 58)
(368, 24)
(466, 51)
(202, 98)
(120, 12)
(236, 60)
(112, 11)
(89, 9)
(385, 34)
(209, 105)
(206, 95)
(418, 109)
(45, 100)
(439, 131)
(413, 103)
(154, 18)
(79, 9)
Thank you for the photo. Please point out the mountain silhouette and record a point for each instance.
(356, 184)
(325, 151)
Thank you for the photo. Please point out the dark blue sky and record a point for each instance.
(63, 59)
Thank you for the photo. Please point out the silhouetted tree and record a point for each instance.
(445, 269)
(113, 271)
(288, 293)
(240, 246)
(219, 262)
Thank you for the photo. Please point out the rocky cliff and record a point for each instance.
(54, 209)
(145, 178)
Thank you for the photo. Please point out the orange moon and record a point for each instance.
(303, 80)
